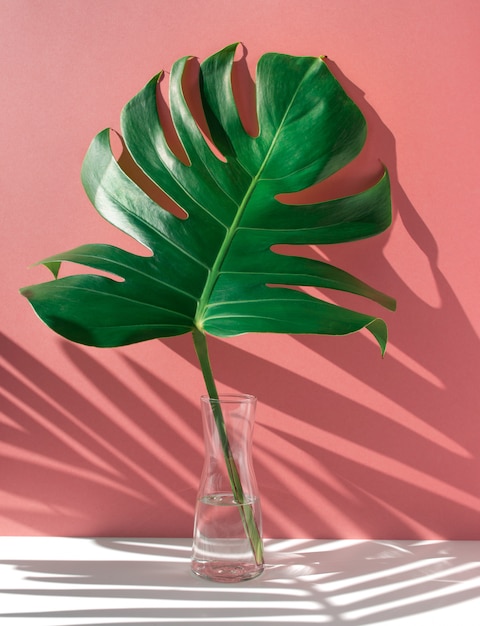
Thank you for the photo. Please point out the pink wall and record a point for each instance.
(347, 445)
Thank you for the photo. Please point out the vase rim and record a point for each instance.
(229, 397)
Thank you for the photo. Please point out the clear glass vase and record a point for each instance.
(227, 539)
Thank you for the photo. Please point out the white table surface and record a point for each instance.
(90, 582)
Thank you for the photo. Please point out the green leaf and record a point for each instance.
(216, 270)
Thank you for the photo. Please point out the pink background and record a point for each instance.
(108, 442)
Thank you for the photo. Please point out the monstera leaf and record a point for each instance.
(213, 270)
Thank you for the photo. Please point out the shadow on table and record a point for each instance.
(336, 582)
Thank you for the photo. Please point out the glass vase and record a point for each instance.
(227, 539)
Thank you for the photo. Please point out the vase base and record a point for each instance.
(224, 572)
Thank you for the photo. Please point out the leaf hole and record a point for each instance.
(131, 169)
(354, 177)
(191, 92)
(70, 268)
(244, 92)
(166, 121)
(285, 286)
(303, 250)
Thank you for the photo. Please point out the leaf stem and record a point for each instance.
(246, 512)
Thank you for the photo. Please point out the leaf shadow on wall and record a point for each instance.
(429, 374)
(84, 472)
(410, 470)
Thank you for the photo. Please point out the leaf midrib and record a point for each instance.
(232, 229)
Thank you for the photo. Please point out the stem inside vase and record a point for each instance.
(245, 508)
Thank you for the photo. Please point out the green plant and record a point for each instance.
(213, 271)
